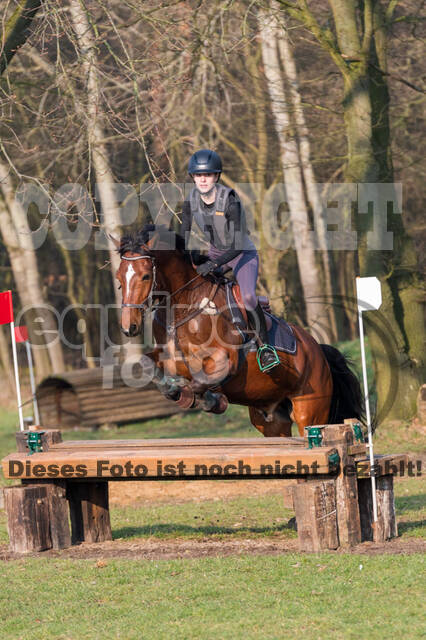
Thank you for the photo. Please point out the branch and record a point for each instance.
(399, 79)
(325, 37)
(17, 30)
(235, 148)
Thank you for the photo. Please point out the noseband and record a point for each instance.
(147, 304)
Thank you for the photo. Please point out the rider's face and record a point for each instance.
(205, 181)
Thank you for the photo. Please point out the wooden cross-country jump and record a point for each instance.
(331, 493)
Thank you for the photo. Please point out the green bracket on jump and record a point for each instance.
(314, 436)
(334, 459)
(359, 436)
(34, 442)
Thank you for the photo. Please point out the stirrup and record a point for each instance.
(271, 365)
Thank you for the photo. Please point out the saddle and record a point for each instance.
(280, 335)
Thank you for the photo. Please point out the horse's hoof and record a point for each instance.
(173, 395)
(221, 405)
(186, 398)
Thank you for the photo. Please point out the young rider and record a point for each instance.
(220, 216)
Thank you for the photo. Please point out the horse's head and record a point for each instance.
(136, 275)
(154, 246)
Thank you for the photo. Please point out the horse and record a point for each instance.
(200, 358)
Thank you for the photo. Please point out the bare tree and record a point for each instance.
(111, 222)
(18, 240)
(356, 38)
(310, 276)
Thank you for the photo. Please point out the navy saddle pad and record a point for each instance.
(280, 335)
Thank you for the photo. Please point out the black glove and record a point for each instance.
(206, 268)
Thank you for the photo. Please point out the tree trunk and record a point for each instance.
(111, 220)
(366, 109)
(6, 360)
(269, 258)
(17, 237)
(330, 288)
(316, 310)
(88, 350)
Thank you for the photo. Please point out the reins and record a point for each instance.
(175, 325)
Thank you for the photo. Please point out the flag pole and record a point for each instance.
(367, 415)
(32, 382)
(18, 387)
(369, 298)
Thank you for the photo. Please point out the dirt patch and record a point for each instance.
(204, 548)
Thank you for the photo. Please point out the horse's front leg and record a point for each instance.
(208, 367)
(212, 402)
(189, 380)
(168, 385)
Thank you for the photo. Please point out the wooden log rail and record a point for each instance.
(331, 497)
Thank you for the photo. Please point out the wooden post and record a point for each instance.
(288, 498)
(58, 515)
(27, 509)
(38, 516)
(315, 507)
(89, 511)
(348, 519)
(386, 527)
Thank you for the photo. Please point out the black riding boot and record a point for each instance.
(267, 357)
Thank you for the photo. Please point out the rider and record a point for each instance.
(220, 215)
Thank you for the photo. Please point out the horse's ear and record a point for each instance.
(115, 241)
(162, 240)
(154, 240)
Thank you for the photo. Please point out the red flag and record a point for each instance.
(21, 334)
(6, 308)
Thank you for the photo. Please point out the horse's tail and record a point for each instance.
(347, 400)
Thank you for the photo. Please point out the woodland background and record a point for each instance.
(299, 92)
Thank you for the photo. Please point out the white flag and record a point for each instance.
(368, 293)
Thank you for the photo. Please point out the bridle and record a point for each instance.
(147, 305)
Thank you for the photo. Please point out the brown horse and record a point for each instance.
(201, 359)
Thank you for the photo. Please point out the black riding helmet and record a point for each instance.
(205, 161)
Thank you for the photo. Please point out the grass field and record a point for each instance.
(239, 595)
(312, 597)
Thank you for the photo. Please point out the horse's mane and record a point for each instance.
(169, 239)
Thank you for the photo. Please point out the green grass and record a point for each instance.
(234, 423)
(242, 517)
(399, 437)
(410, 505)
(310, 597)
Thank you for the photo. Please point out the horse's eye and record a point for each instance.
(145, 277)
